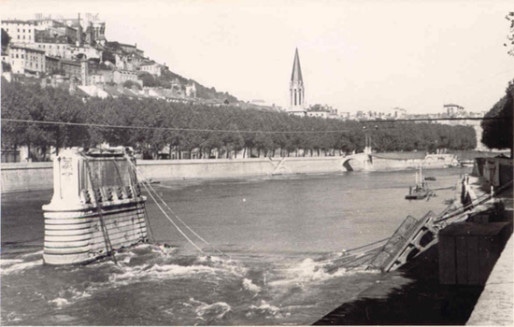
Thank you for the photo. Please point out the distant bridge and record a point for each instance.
(358, 161)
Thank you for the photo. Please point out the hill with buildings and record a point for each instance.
(74, 57)
(74, 53)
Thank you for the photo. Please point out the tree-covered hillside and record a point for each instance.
(150, 125)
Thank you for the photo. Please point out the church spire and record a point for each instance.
(296, 75)
(296, 88)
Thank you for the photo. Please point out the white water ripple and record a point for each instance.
(17, 267)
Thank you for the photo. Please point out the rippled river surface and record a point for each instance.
(271, 258)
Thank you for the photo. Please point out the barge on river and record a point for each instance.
(96, 208)
(419, 191)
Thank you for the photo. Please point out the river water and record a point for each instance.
(270, 253)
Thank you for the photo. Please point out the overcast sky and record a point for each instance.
(355, 55)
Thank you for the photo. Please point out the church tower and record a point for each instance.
(296, 88)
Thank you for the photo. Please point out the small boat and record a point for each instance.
(430, 178)
(420, 190)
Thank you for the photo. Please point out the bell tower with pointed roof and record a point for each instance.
(296, 87)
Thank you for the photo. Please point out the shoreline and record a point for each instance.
(414, 295)
(26, 176)
(410, 295)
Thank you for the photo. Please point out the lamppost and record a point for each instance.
(367, 140)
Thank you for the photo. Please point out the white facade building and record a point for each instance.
(20, 31)
(151, 68)
(25, 59)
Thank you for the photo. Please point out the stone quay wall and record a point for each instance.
(17, 177)
(26, 176)
(22, 177)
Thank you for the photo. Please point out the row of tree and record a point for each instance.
(151, 125)
(497, 127)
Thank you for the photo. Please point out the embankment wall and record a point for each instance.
(430, 161)
(29, 176)
(19, 177)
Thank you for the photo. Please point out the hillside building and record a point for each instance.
(151, 67)
(322, 112)
(128, 61)
(454, 110)
(84, 51)
(57, 48)
(95, 33)
(86, 29)
(71, 68)
(26, 60)
(94, 29)
(121, 76)
(48, 30)
(191, 90)
(52, 65)
(20, 31)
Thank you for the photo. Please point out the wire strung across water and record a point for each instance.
(155, 196)
(348, 258)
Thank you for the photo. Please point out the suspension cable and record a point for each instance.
(171, 210)
(183, 223)
(176, 129)
(154, 194)
(171, 220)
(479, 200)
